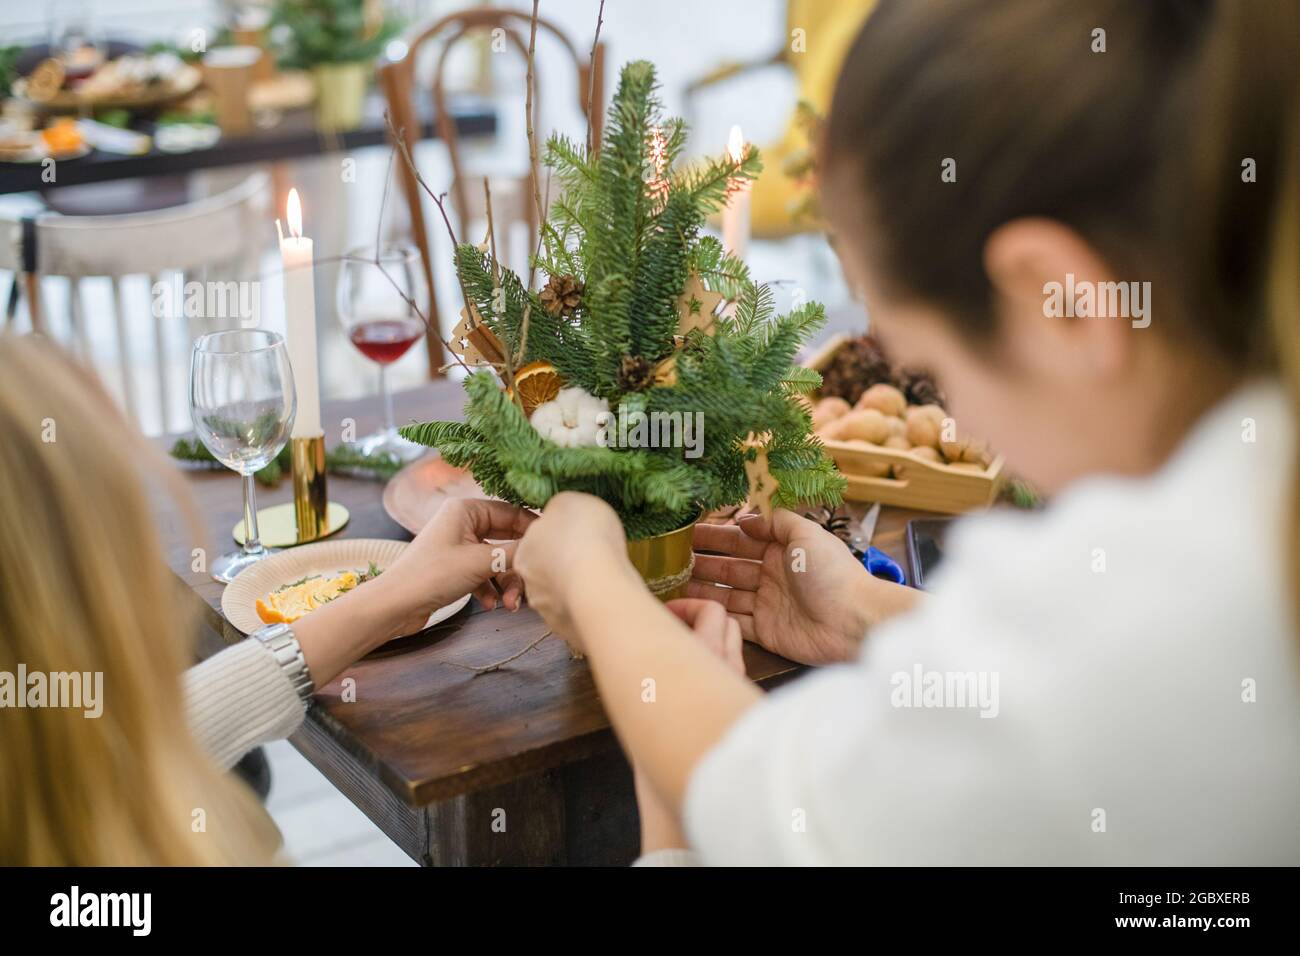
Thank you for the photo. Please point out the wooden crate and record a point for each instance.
(917, 483)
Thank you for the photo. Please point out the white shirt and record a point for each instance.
(1147, 688)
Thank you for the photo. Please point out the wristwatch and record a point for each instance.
(283, 645)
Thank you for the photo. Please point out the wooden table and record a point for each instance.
(431, 752)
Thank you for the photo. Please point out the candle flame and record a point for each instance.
(736, 144)
(293, 212)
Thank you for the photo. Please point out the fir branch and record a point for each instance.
(341, 459)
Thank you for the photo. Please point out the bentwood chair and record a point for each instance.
(210, 240)
(513, 200)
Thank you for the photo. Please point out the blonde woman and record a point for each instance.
(84, 588)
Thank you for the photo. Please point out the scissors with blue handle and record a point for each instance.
(877, 563)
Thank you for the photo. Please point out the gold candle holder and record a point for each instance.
(310, 498)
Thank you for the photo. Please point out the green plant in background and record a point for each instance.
(341, 459)
(8, 68)
(625, 259)
(310, 33)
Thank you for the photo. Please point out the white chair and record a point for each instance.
(217, 238)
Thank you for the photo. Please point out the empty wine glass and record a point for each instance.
(242, 403)
(381, 301)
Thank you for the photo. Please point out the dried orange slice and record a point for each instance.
(537, 383)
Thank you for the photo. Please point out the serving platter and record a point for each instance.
(414, 494)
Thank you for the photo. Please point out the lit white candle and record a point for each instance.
(300, 319)
(735, 215)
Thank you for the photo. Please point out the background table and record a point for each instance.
(294, 137)
(432, 752)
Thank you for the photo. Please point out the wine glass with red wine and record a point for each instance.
(380, 301)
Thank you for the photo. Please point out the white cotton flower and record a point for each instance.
(572, 419)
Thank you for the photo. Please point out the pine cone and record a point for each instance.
(858, 365)
(919, 388)
(562, 294)
(635, 374)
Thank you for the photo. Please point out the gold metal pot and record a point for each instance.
(664, 561)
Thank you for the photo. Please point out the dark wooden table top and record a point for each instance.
(421, 727)
(295, 136)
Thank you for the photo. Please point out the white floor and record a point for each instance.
(321, 827)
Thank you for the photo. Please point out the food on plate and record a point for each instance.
(92, 81)
(131, 75)
(45, 80)
(17, 147)
(62, 137)
(289, 602)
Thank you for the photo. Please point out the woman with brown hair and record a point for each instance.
(1117, 678)
(84, 589)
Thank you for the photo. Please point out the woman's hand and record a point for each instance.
(792, 586)
(708, 620)
(577, 544)
(468, 546)
(446, 559)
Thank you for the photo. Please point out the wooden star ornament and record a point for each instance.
(475, 343)
(696, 307)
(762, 486)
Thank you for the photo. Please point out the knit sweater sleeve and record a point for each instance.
(239, 699)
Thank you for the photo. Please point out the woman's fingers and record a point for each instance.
(691, 610)
(780, 527)
(734, 600)
(483, 518)
(733, 572)
(486, 594)
(707, 619)
(727, 539)
(743, 616)
(511, 586)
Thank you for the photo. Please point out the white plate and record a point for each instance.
(328, 558)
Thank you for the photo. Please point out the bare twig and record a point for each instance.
(496, 291)
(533, 166)
(532, 275)
(439, 200)
(489, 668)
(410, 302)
(591, 77)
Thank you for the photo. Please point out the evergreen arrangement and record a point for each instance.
(628, 316)
(330, 31)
